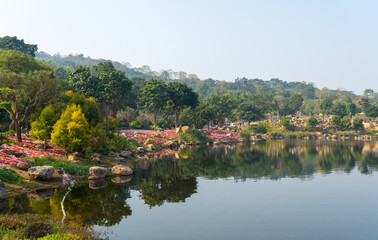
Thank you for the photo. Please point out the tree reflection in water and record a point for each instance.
(174, 178)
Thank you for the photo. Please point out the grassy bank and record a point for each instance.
(43, 227)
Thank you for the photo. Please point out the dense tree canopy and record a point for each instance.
(155, 96)
(104, 83)
(12, 43)
(31, 82)
(180, 95)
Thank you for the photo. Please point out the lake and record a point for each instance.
(270, 190)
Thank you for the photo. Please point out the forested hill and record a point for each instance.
(70, 61)
(202, 87)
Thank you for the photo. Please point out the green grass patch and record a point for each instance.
(77, 169)
(8, 176)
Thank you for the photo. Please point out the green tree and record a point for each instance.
(326, 105)
(364, 102)
(109, 87)
(180, 96)
(43, 126)
(345, 123)
(336, 122)
(155, 96)
(295, 102)
(71, 131)
(12, 43)
(32, 84)
(350, 107)
(311, 123)
(285, 122)
(249, 112)
(358, 123)
(88, 106)
(340, 109)
(372, 111)
(222, 105)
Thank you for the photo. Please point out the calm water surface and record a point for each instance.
(271, 190)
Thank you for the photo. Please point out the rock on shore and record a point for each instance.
(122, 170)
(97, 173)
(41, 172)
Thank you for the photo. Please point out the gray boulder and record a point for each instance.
(126, 154)
(41, 172)
(3, 191)
(23, 166)
(97, 173)
(122, 170)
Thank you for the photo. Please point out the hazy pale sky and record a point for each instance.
(331, 43)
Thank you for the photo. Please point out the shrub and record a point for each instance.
(126, 116)
(345, 123)
(135, 124)
(8, 176)
(99, 140)
(88, 106)
(71, 131)
(311, 124)
(4, 137)
(262, 127)
(245, 135)
(145, 118)
(336, 122)
(110, 125)
(285, 122)
(43, 126)
(122, 143)
(193, 135)
(358, 123)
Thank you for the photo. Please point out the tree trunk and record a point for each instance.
(155, 117)
(18, 131)
(177, 116)
(12, 127)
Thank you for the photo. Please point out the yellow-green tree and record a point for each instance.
(43, 126)
(72, 131)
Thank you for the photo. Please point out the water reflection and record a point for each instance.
(174, 178)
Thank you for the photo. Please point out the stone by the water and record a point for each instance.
(122, 170)
(97, 172)
(41, 172)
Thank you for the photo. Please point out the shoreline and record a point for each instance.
(30, 185)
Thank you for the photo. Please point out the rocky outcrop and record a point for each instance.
(126, 154)
(23, 166)
(3, 190)
(41, 172)
(75, 157)
(122, 170)
(120, 159)
(97, 173)
(141, 149)
(148, 141)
